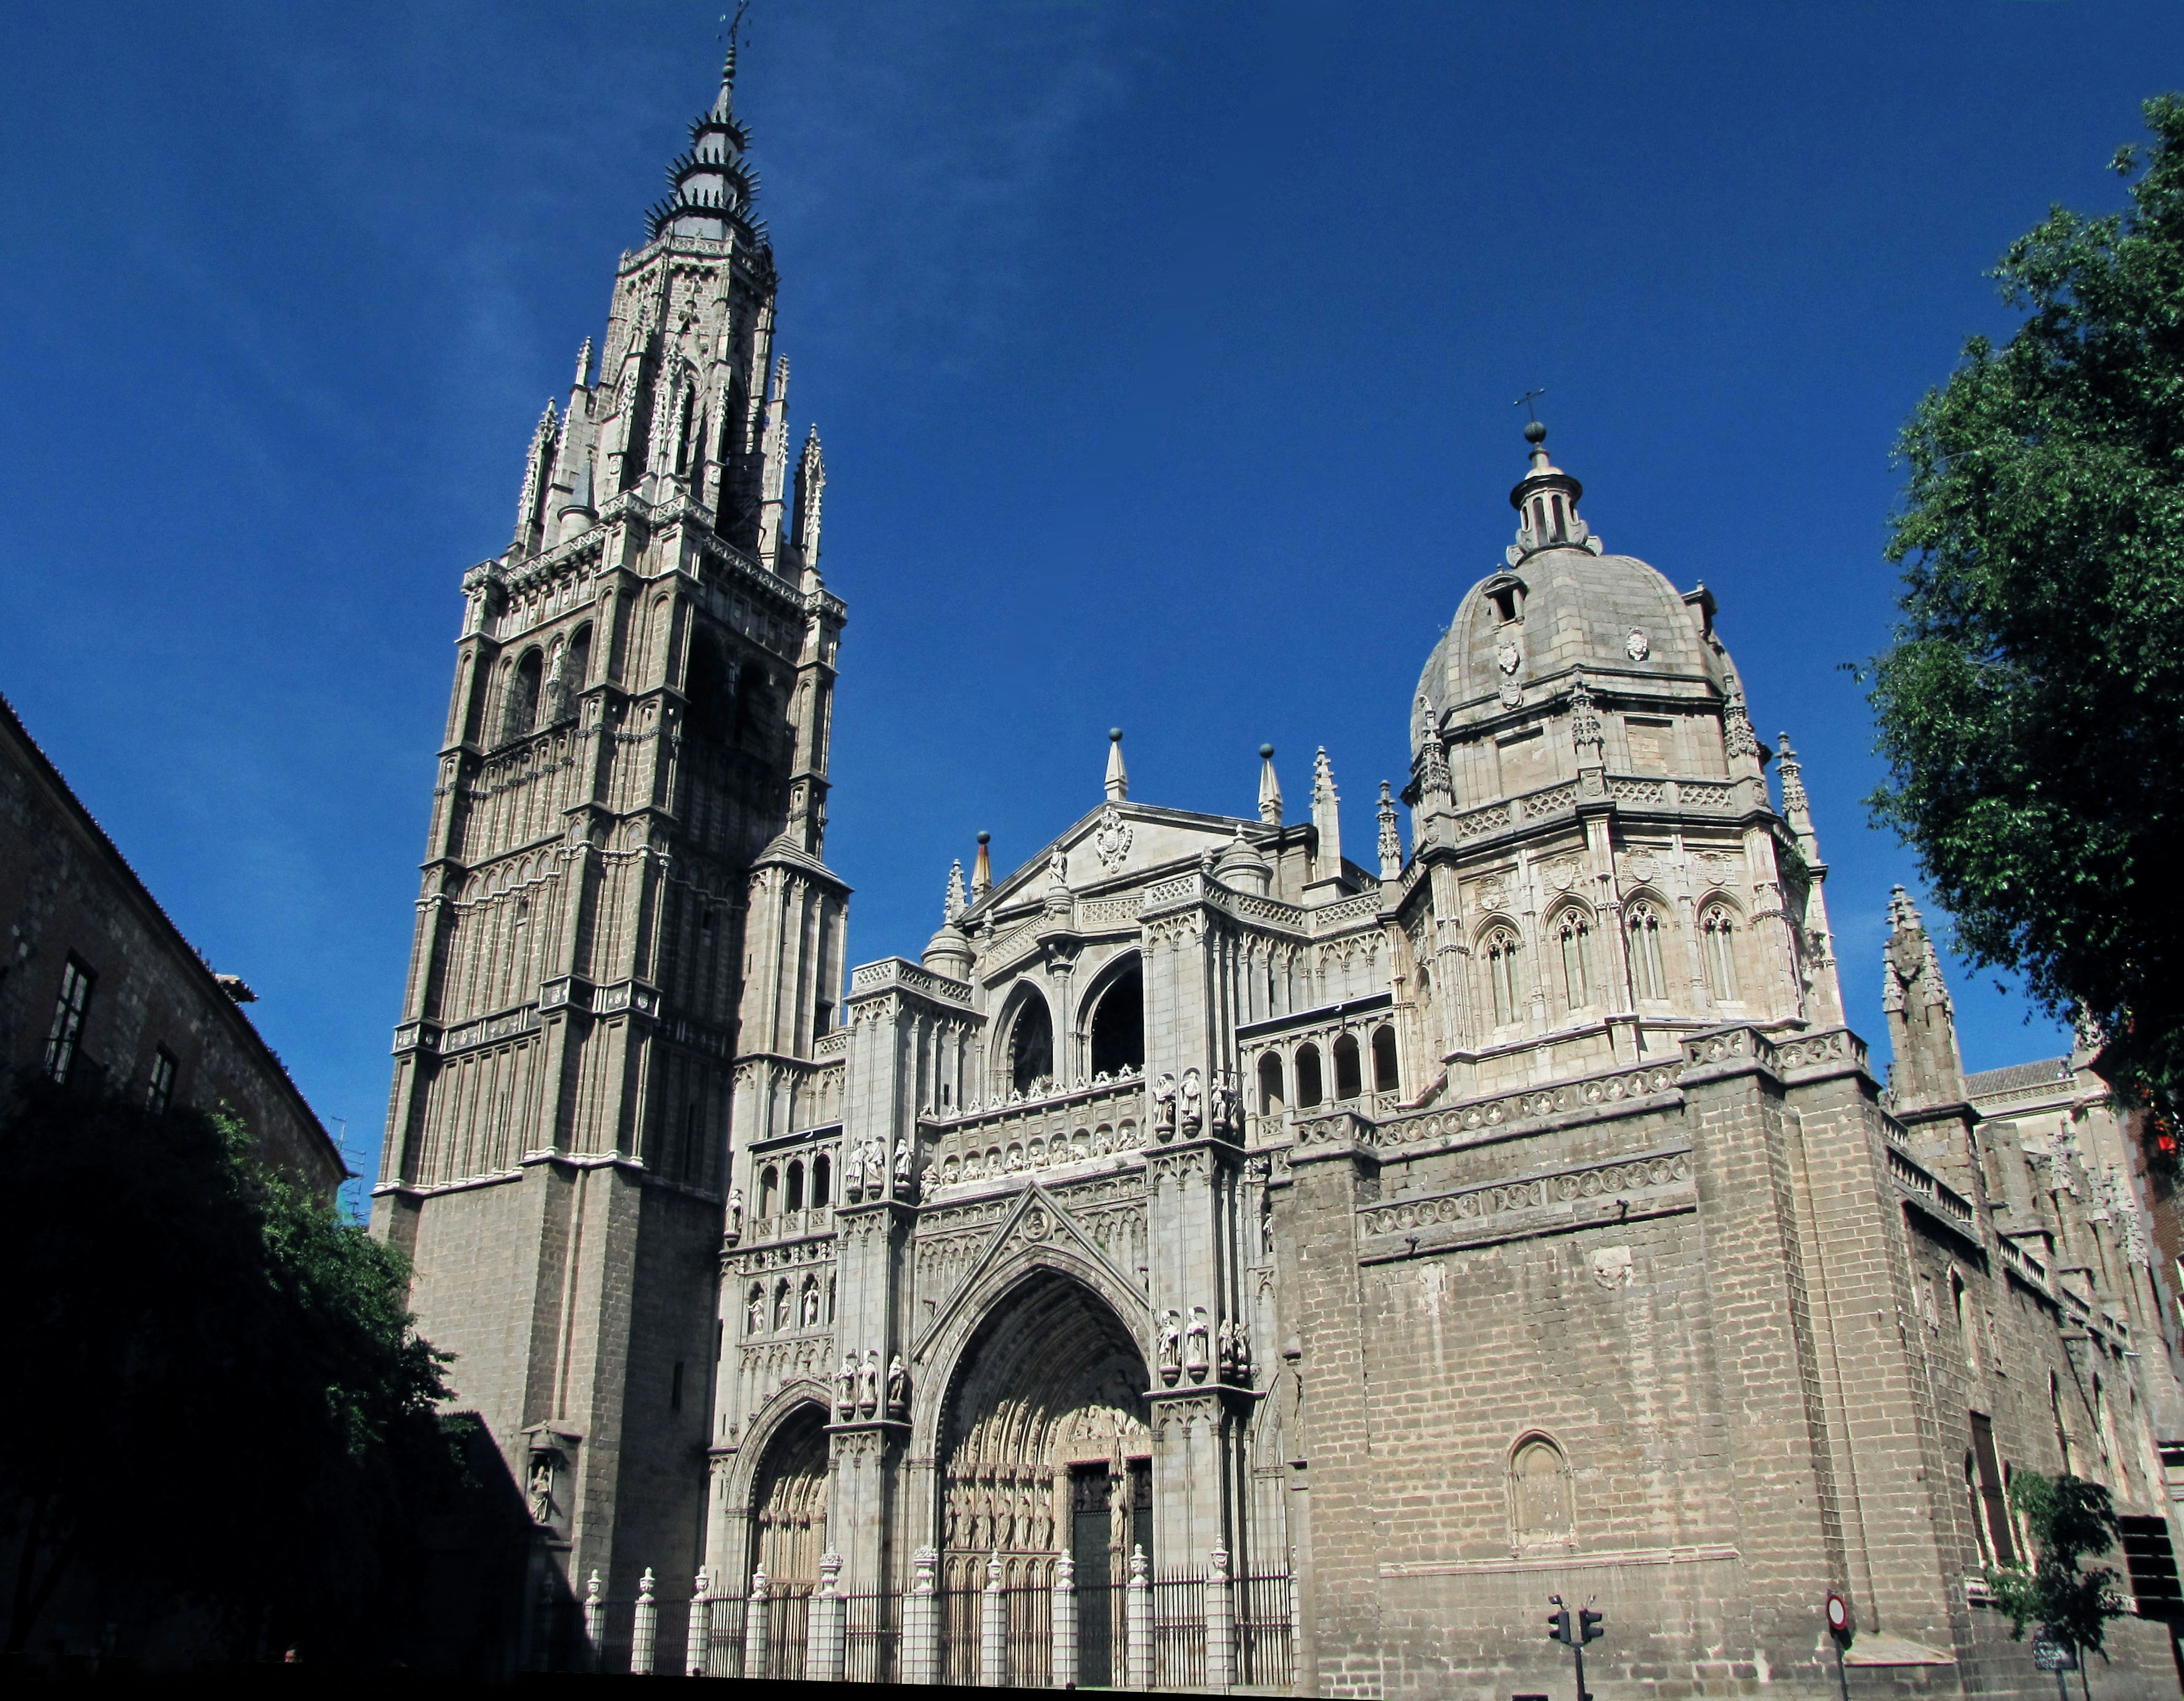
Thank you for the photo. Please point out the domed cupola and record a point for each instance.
(1546, 501)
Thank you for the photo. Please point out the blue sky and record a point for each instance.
(1163, 354)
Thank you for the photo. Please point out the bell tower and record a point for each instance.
(623, 891)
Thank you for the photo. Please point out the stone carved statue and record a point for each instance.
(868, 1383)
(898, 1388)
(845, 1388)
(1057, 870)
(735, 1214)
(1193, 1098)
(1164, 1106)
(1195, 1359)
(754, 1312)
(542, 1488)
(1171, 1347)
(810, 1304)
(901, 1163)
(1227, 1106)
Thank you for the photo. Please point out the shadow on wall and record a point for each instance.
(464, 1614)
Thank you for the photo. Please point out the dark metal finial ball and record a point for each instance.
(1266, 752)
(985, 838)
(1536, 432)
(1114, 735)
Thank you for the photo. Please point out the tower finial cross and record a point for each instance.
(1526, 400)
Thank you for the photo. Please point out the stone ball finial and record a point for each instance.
(1114, 735)
(1535, 432)
(985, 838)
(1266, 752)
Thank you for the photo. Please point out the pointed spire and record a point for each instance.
(584, 365)
(953, 904)
(1326, 818)
(713, 185)
(1118, 778)
(1270, 788)
(810, 486)
(773, 466)
(537, 464)
(981, 871)
(1392, 838)
(1797, 807)
(1922, 1030)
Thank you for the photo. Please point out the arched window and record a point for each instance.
(1118, 1024)
(1541, 1509)
(1348, 1078)
(523, 684)
(1386, 1077)
(795, 1199)
(1718, 932)
(784, 1304)
(822, 1181)
(1574, 931)
(1031, 1044)
(1271, 1097)
(1307, 1077)
(1967, 1321)
(1978, 1503)
(1648, 977)
(1501, 973)
(769, 1191)
(578, 671)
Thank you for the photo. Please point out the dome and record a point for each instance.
(1561, 603)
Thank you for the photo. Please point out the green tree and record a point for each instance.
(214, 1408)
(2072, 1521)
(2031, 700)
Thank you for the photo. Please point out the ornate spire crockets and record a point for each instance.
(1922, 1030)
(953, 904)
(1546, 501)
(1270, 788)
(1326, 818)
(1392, 838)
(810, 486)
(713, 186)
(1118, 777)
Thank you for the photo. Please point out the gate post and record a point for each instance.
(1065, 1623)
(823, 1638)
(644, 1627)
(754, 1616)
(1220, 1625)
(595, 1622)
(698, 1640)
(1138, 1623)
(921, 1622)
(993, 1629)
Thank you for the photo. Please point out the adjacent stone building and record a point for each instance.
(1512, 1213)
(100, 991)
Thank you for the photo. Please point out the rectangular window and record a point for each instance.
(1649, 745)
(2153, 1560)
(67, 1035)
(162, 1092)
(1999, 1534)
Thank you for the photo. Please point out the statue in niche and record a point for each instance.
(542, 1488)
(845, 1388)
(1192, 1096)
(735, 1214)
(1224, 1348)
(754, 1312)
(1057, 871)
(1170, 1350)
(1226, 1106)
(868, 1383)
(811, 1303)
(898, 1388)
(1195, 1359)
(1164, 1106)
(901, 1163)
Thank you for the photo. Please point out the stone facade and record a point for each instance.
(1516, 1215)
(98, 987)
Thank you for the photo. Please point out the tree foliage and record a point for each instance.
(214, 1408)
(2072, 1521)
(2030, 701)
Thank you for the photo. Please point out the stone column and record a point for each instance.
(595, 1615)
(1138, 1624)
(645, 1628)
(824, 1637)
(993, 1629)
(921, 1622)
(698, 1640)
(1065, 1623)
(1220, 1624)
(755, 1627)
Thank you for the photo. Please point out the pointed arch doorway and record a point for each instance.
(789, 1504)
(1045, 1450)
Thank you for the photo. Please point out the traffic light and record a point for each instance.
(1588, 1623)
(1558, 1623)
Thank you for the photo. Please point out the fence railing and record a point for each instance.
(1180, 1630)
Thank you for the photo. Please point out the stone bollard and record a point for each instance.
(825, 1633)
(698, 1640)
(754, 1627)
(1065, 1623)
(921, 1621)
(595, 1623)
(1138, 1623)
(645, 1628)
(1220, 1624)
(993, 1629)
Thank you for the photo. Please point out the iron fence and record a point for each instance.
(961, 1613)
(724, 1636)
(873, 1630)
(1179, 1604)
(1028, 1614)
(787, 1630)
(1266, 1653)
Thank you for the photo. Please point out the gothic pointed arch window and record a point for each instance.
(1542, 1509)
(1503, 975)
(1718, 938)
(1118, 1022)
(1960, 1302)
(1030, 1042)
(523, 687)
(1649, 973)
(1573, 933)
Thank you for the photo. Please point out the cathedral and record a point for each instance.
(1247, 1263)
